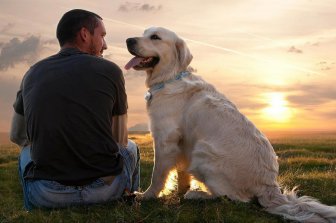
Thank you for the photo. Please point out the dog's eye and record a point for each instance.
(155, 37)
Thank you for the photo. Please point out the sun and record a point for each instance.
(277, 109)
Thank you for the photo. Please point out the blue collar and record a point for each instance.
(158, 86)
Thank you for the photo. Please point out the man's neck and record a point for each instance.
(73, 45)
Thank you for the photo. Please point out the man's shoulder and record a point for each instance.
(100, 62)
(83, 62)
(43, 61)
(85, 59)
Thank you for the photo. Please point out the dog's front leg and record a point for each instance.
(165, 160)
(159, 176)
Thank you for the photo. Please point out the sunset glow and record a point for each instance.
(277, 109)
(268, 57)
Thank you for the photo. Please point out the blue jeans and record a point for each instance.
(51, 194)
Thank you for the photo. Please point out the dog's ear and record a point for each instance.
(183, 53)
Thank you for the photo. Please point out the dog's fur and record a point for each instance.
(200, 132)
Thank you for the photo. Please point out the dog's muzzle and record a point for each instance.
(131, 43)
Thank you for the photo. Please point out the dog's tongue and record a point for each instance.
(133, 62)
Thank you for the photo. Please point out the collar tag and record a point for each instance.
(148, 96)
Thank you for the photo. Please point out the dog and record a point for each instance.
(198, 131)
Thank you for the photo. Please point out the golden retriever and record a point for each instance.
(198, 131)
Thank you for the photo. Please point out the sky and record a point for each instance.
(276, 60)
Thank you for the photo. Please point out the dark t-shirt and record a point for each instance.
(68, 101)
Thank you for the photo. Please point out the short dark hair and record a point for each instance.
(72, 21)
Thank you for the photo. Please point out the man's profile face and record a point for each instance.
(98, 44)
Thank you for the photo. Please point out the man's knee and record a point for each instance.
(133, 148)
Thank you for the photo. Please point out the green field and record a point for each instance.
(307, 161)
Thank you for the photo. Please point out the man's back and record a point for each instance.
(69, 100)
(73, 107)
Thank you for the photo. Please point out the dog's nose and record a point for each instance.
(131, 41)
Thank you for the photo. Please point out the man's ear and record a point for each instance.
(183, 53)
(84, 34)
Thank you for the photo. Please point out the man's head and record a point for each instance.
(82, 29)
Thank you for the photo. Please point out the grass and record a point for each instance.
(309, 162)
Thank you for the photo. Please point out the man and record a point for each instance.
(73, 107)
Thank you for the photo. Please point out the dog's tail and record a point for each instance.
(290, 206)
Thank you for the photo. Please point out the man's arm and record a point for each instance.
(119, 129)
(18, 133)
(18, 130)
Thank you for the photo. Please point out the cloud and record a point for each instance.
(293, 49)
(315, 43)
(329, 115)
(16, 51)
(130, 6)
(147, 7)
(7, 27)
(325, 65)
(52, 41)
(312, 95)
(326, 68)
(8, 88)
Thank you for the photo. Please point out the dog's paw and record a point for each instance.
(138, 196)
(143, 196)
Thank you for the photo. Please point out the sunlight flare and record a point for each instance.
(277, 109)
(171, 184)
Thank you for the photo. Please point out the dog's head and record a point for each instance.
(159, 51)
